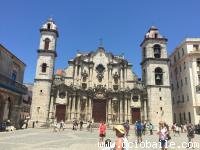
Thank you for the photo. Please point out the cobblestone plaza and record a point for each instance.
(46, 139)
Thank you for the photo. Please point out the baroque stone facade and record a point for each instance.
(98, 85)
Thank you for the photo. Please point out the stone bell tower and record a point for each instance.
(44, 73)
(155, 75)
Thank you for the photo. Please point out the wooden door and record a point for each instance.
(99, 110)
(60, 112)
(135, 114)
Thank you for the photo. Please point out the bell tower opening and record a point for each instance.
(48, 26)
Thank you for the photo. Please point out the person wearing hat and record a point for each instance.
(163, 135)
(121, 142)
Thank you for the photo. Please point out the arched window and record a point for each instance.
(156, 35)
(157, 51)
(48, 26)
(144, 52)
(44, 67)
(46, 43)
(158, 76)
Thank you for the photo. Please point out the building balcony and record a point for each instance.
(12, 85)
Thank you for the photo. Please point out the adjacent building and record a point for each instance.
(185, 81)
(26, 103)
(11, 86)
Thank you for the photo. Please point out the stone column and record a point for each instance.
(78, 107)
(108, 78)
(51, 114)
(90, 109)
(86, 111)
(89, 74)
(129, 110)
(2, 110)
(121, 78)
(145, 109)
(111, 78)
(5, 112)
(125, 108)
(121, 110)
(69, 109)
(73, 107)
(75, 74)
(125, 76)
(109, 110)
(79, 76)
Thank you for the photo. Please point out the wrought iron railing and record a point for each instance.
(12, 85)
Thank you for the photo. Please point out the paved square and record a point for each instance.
(46, 139)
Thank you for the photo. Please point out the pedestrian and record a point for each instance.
(102, 131)
(135, 128)
(163, 135)
(139, 131)
(181, 128)
(74, 125)
(177, 130)
(90, 125)
(185, 128)
(144, 128)
(127, 128)
(81, 124)
(121, 142)
(55, 126)
(61, 125)
(151, 129)
(173, 128)
(190, 135)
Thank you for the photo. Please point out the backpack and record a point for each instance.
(150, 127)
(139, 126)
(126, 126)
(191, 132)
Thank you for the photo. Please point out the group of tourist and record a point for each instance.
(121, 141)
(59, 126)
(75, 125)
(163, 132)
(122, 132)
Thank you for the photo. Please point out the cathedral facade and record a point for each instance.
(99, 85)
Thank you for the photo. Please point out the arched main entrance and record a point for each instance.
(99, 110)
(135, 114)
(60, 112)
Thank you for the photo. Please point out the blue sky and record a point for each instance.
(121, 24)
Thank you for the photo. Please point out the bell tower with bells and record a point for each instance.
(40, 110)
(155, 76)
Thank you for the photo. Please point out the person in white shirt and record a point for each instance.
(163, 135)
